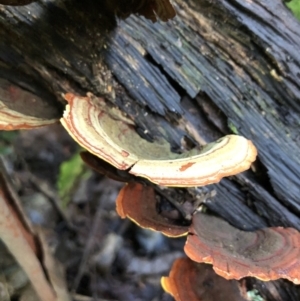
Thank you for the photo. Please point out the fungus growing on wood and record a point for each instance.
(13, 120)
(267, 254)
(16, 2)
(105, 168)
(138, 203)
(106, 133)
(192, 281)
(161, 9)
(150, 9)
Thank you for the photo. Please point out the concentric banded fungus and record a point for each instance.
(267, 254)
(13, 120)
(100, 131)
(138, 203)
(191, 281)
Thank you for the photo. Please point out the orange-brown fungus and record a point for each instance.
(191, 281)
(266, 254)
(138, 203)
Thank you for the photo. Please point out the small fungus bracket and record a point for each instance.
(138, 203)
(192, 281)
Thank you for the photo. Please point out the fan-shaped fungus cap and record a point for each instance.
(21, 109)
(110, 136)
(12, 120)
(191, 281)
(138, 203)
(105, 168)
(266, 254)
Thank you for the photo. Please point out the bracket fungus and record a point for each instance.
(106, 133)
(16, 2)
(22, 109)
(156, 9)
(13, 120)
(150, 9)
(138, 203)
(105, 168)
(192, 281)
(162, 9)
(267, 254)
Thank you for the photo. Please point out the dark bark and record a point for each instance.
(219, 66)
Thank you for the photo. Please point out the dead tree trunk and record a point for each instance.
(220, 66)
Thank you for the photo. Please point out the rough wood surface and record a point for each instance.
(219, 66)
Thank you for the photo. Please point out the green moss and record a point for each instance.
(233, 128)
(254, 296)
(6, 140)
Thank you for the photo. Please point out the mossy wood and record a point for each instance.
(219, 66)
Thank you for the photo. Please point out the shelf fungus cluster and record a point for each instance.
(267, 254)
(107, 134)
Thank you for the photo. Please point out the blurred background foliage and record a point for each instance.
(295, 7)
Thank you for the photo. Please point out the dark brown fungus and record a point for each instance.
(191, 281)
(267, 254)
(150, 9)
(138, 202)
(161, 9)
(105, 168)
(16, 2)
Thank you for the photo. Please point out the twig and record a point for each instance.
(87, 250)
(20, 242)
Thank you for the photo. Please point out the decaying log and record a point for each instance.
(218, 67)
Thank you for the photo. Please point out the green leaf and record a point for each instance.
(295, 7)
(71, 172)
(6, 140)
